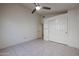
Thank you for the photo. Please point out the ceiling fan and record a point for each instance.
(38, 7)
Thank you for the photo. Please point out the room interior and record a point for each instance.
(49, 30)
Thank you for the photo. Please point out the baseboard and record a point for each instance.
(18, 43)
(64, 44)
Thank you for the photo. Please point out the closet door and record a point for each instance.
(57, 29)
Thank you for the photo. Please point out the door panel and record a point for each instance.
(57, 29)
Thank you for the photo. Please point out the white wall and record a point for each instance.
(73, 28)
(17, 25)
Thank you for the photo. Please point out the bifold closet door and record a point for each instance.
(57, 29)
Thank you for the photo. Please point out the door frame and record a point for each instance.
(46, 26)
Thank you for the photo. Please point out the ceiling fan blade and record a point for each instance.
(36, 4)
(33, 11)
(48, 8)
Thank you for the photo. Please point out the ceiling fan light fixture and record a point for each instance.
(38, 8)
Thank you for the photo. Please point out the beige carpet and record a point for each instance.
(39, 48)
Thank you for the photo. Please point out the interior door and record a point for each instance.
(57, 29)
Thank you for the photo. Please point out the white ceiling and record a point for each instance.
(55, 7)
